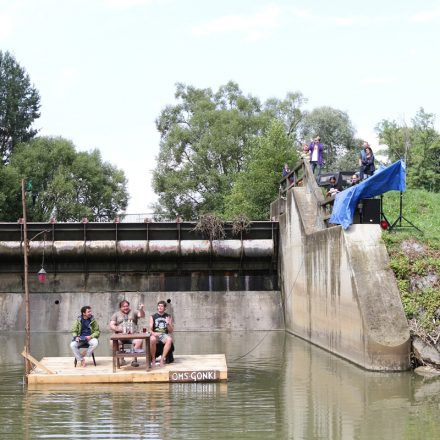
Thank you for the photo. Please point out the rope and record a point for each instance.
(266, 333)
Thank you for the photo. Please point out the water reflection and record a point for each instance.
(279, 387)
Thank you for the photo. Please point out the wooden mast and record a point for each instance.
(27, 342)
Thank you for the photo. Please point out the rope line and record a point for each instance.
(290, 293)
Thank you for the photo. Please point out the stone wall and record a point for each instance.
(192, 311)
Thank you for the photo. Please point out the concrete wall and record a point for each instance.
(338, 290)
(192, 311)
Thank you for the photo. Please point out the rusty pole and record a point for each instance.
(27, 342)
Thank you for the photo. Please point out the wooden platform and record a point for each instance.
(185, 368)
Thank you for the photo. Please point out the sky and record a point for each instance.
(106, 68)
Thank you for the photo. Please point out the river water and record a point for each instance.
(279, 387)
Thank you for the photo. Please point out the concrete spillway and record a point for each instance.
(337, 286)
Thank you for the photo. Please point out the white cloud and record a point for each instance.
(125, 4)
(309, 16)
(423, 16)
(6, 25)
(68, 76)
(379, 79)
(254, 27)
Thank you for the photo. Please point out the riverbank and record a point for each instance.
(415, 260)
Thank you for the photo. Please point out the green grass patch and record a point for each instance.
(421, 208)
(414, 255)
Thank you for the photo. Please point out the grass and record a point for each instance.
(415, 257)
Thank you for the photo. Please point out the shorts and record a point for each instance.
(163, 337)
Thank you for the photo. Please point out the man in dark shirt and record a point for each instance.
(161, 325)
(85, 331)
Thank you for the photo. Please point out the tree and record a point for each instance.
(19, 105)
(289, 112)
(425, 159)
(395, 137)
(256, 186)
(336, 132)
(418, 144)
(66, 184)
(204, 140)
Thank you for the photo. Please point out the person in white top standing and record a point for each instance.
(316, 157)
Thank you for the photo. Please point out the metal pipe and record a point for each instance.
(259, 248)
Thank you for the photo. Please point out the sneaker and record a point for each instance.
(135, 364)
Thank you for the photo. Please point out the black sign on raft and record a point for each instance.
(195, 376)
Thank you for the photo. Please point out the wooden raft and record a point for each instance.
(185, 368)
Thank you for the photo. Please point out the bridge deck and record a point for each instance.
(185, 368)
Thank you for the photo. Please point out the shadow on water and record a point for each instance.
(279, 387)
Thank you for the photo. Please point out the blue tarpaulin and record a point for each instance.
(386, 179)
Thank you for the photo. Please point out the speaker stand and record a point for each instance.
(398, 222)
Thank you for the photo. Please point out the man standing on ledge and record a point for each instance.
(85, 331)
(316, 156)
(161, 325)
(124, 316)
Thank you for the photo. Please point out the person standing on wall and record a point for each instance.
(316, 156)
(85, 332)
(366, 162)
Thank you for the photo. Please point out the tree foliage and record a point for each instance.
(418, 144)
(66, 184)
(256, 186)
(204, 140)
(19, 105)
(337, 135)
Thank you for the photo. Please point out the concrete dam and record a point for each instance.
(331, 287)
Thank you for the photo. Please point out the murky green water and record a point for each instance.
(284, 388)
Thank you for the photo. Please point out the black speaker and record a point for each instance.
(370, 211)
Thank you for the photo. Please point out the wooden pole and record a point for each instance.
(27, 342)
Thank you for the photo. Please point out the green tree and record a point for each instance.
(418, 144)
(395, 137)
(337, 135)
(289, 112)
(19, 105)
(424, 168)
(256, 186)
(66, 184)
(204, 140)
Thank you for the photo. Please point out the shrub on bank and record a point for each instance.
(415, 260)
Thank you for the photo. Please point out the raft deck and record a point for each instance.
(185, 368)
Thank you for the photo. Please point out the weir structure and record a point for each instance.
(338, 289)
(228, 284)
(328, 286)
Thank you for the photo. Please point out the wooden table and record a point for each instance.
(117, 354)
